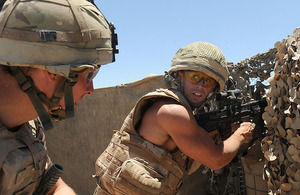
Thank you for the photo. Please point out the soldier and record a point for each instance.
(49, 53)
(160, 138)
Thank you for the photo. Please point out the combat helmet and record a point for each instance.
(204, 57)
(63, 37)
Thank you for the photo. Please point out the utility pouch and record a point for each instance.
(138, 178)
(131, 165)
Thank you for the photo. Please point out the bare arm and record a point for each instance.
(169, 119)
(61, 188)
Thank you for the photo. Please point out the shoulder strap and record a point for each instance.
(25, 135)
(178, 96)
(148, 98)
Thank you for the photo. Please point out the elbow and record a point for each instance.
(216, 164)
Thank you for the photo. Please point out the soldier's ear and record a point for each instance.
(52, 77)
(180, 74)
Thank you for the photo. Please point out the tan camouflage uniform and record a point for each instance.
(23, 158)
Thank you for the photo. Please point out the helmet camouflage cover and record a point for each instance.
(56, 35)
(204, 57)
(63, 37)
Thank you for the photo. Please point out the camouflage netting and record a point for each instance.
(281, 146)
(275, 75)
(244, 175)
(250, 75)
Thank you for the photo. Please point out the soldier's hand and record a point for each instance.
(245, 131)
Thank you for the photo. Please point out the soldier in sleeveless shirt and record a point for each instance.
(160, 139)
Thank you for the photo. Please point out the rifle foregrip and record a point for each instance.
(49, 179)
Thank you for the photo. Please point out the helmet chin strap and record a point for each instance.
(26, 85)
(37, 97)
(64, 89)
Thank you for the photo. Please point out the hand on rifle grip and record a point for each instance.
(245, 130)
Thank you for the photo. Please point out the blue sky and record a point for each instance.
(150, 32)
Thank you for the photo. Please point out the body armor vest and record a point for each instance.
(133, 165)
(23, 158)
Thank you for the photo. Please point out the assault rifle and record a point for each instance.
(49, 179)
(232, 110)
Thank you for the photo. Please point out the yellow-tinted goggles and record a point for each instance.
(196, 77)
(90, 73)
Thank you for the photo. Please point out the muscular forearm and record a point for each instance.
(229, 149)
(231, 146)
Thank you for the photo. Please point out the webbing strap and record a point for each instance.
(54, 101)
(174, 94)
(64, 89)
(26, 84)
(177, 95)
(29, 142)
(69, 100)
(58, 36)
(79, 19)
